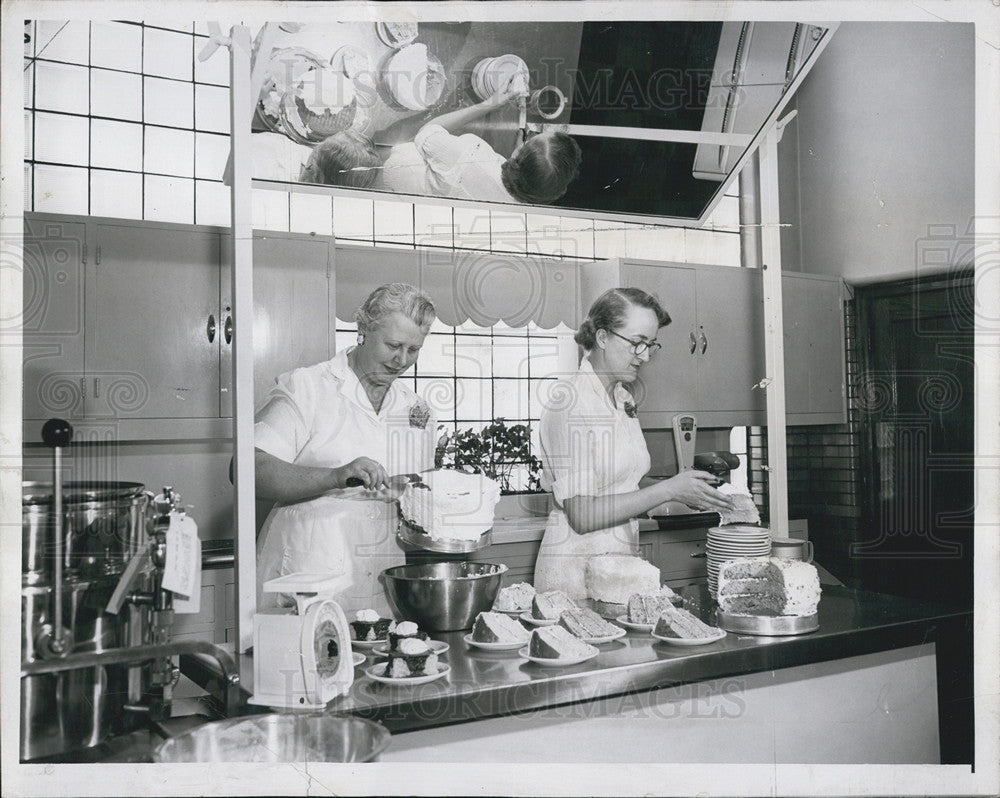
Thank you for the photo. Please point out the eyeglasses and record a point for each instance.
(640, 346)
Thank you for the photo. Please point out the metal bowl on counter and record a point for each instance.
(293, 737)
(442, 596)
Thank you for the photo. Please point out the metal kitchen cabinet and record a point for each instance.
(152, 295)
(815, 367)
(293, 297)
(130, 323)
(55, 256)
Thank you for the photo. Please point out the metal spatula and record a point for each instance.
(413, 479)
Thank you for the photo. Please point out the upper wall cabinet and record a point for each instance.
(815, 367)
(129, 324)
(712, 360)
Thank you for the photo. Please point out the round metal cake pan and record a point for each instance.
(417, 537)
(768, 625)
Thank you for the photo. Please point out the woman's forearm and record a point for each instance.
(695, 489)
(455, 121)
(591, 513)
(277, 480)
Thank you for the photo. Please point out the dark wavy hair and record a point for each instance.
(347, 158)
(609, 310)
(541, 169)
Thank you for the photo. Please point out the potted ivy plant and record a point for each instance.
(503, 453)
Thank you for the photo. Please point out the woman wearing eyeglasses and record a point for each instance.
(593, 452)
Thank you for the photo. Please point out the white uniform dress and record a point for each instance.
(590, 446)
(440, 164)
(321, 416)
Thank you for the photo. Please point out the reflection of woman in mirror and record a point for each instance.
(443, 162)
(347, 158)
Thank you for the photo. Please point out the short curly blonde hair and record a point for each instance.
(395, 298)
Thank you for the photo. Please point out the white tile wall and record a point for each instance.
(310, 213)
(168, 199)
(168, 102)
(116, 45)
(167, 54)
(116, 145)
(68, 42)
(211, 151)
(116, 94)
(62, 87)
(353, 218)
(117, 194)
(168, 151)
(60, 189)
(212, 203)
(61, 139)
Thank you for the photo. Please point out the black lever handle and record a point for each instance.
(57, 432)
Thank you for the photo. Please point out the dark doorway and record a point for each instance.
(916, 401)
(915, 396)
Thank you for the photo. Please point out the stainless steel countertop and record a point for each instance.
(484, 684)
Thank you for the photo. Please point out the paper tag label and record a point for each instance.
(182, 571)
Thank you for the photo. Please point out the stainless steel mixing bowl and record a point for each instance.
(442, 596)
(291, 737)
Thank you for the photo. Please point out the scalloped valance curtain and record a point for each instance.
(481, 286)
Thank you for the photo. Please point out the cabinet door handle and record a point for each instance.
(704, 342)
(693, 341)
(210, 327)
(97, 387)
(83, 387)
(229, 329)
(699, 554)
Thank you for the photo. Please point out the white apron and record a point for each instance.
(591, 446)
(347, 534)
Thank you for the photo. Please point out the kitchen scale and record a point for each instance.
(302, 656)
(685, 431)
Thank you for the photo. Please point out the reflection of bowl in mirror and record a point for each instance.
(415, 78)
(547, 102)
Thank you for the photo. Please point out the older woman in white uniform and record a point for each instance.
(593, 452)
(345, 419)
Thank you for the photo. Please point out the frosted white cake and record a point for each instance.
(612, 578)
(768, 586)
(453, 506)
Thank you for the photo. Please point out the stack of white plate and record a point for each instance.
(734, 542)
(492, 74)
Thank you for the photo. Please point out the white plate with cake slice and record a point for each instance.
(527, 617)
(508, 646)
(511, 613)
(635, 627)
(372, 673)
(692, 641)
(368, 645)
(556, 662)
(437, 646)
(618, 633)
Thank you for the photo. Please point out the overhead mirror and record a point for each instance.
(636, 120)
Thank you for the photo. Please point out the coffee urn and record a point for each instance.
(96, 656)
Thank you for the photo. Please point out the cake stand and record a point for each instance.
(768, 625)
(415, 536)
